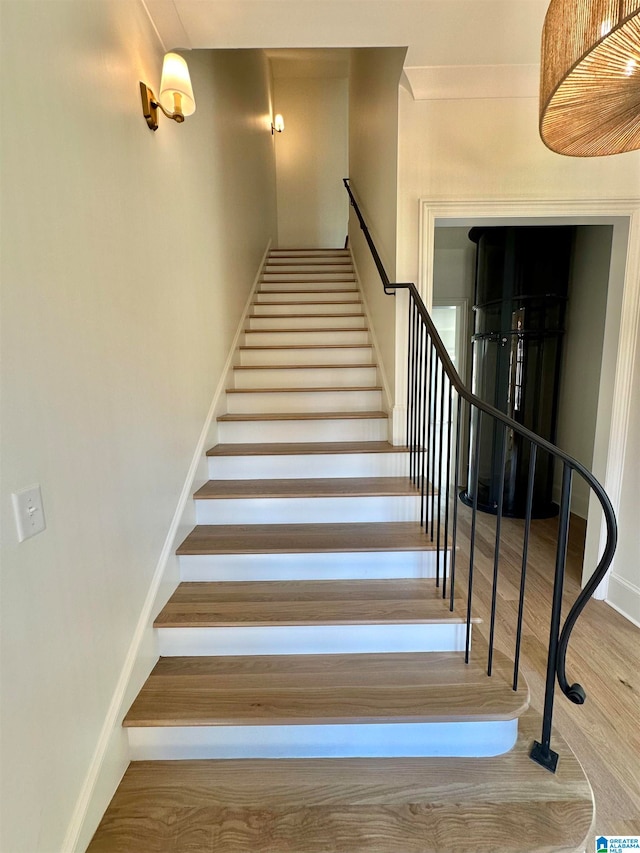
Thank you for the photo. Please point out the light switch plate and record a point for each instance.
(29, 512)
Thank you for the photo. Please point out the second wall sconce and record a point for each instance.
(277, 125)
(176, 93)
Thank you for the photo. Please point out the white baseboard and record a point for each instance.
(624, 597)
(111, 756)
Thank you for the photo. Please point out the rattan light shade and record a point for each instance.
(590, 77)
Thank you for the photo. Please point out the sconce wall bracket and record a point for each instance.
(149, 106)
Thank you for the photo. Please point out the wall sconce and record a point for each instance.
(277, 125)
(176, 94)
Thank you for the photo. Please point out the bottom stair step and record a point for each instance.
(287, 706)
(505, 804)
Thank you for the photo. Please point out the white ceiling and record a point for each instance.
(456, 48)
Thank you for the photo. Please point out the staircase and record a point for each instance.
(312, 692)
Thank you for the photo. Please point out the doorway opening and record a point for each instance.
(616, 221)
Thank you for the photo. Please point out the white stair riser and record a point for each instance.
(378, 740)
(269, 285)
(347, 429)
(308, 510)
(311, 377)
(265, 309)
(311, 639)
(306, 336)
(303, 401)
(308, 275)
(343, 321)
(348, 294)
(369, 565)
(309, 466)
(308, 355)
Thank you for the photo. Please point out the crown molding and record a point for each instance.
(455, 82)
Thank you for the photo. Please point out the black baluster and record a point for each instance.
(419, 401)
(496, 555)
(412, 412)
(439, 550)
(448, 493)
(525, 552)
(542, 752)
(409, 351)
(456, 493)
(432, 481)
(475, 465)
(427, 374)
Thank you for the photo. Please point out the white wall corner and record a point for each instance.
(167, 23)
(386, 392)
(111, 756)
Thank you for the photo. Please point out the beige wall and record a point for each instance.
(312, 160)
(127, 257)
(624, 584)
(489, 150)
(373, 169)
(582, 354)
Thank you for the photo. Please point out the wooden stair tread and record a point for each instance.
(306, 346)
(252, 603)
(302, 448)
(389, 805)
(302, 366)
(333, 487)
(315, 290)
(295, 389)
(310, 302)
(330, 689)
(325, 262)
(306, 331)
(300, 315)
(360, 537)
(301, 416)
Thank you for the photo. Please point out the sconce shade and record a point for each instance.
(278, 123)
(590, 77)
(176, 80)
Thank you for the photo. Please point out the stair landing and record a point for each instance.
(397, 805)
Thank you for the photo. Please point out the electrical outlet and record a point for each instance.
(29, 512)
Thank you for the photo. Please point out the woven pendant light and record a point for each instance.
(590, 77)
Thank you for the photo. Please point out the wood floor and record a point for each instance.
(604, 656)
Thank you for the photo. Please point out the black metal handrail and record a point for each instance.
(429, 371)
